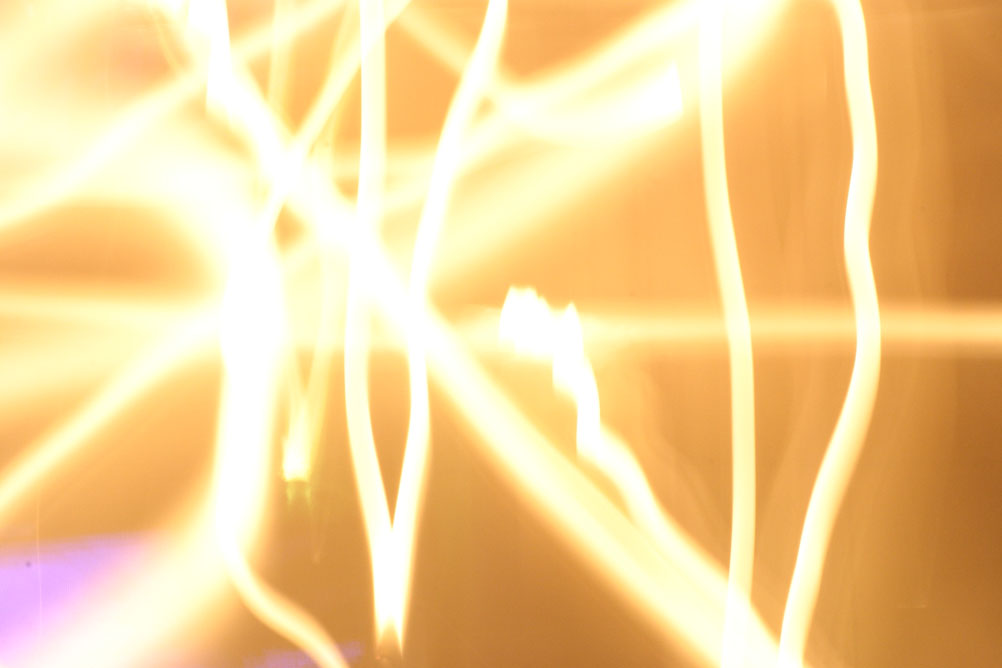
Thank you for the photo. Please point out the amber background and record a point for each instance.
(913, 576)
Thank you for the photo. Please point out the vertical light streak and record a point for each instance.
(233, 94)
(473, 83)
(391, 538)
(281, 56)
(344, 61)
(683, 598)
(683, 595)
(253, 341)
(316, 137)
(738, 328)
(281, 161)
(372, 156)
(304, 433)
(850, 429)
(208, 19)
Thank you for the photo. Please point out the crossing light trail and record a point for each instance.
(283, 207)
(739, 339)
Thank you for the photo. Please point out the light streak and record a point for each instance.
(658, 37)
(281, 58)
(391, 539)
(672, 602)
(619, 93)
(850, 429)
(252, 341)
(533, 329)
(372, 149)
(251, 368)
(955, 330)
(474, 81)
(684, 596)
(142, 116)
(576, 107)
(739, 340)
(45, 303)
(930, 329)
(59, 446)
(527, 323)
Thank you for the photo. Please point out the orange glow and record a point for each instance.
(739, 341)
(853, 420)
(239, 240)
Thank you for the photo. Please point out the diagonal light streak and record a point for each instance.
(143, 115)
(473, 83)
(682, 596)
(698, 630)
(63, 443)
(654, 565)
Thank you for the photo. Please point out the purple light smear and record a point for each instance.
(39, 587)
(38, 584)
(296, 659)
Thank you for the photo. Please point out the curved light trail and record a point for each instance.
(850, 429)
(739, 340)
(280, 212)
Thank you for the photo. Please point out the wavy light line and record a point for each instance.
(253, 341)
(372, 152)
(685, 608)
(646, 558)
(738, 328)
(474, 81)
(495, 421)
(850, 429)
